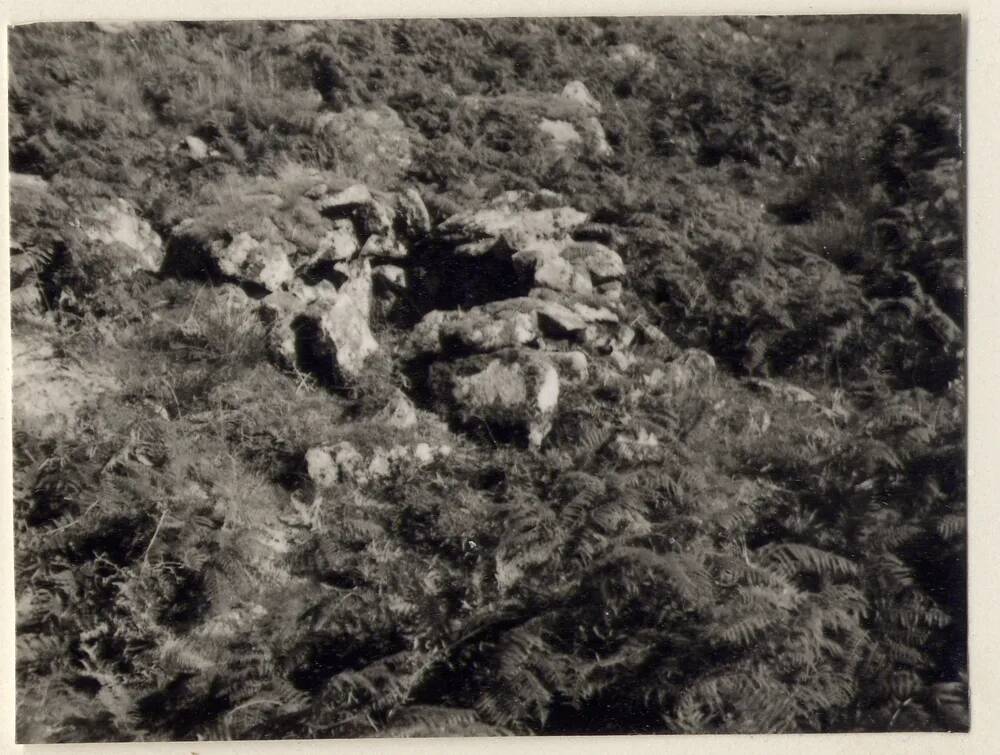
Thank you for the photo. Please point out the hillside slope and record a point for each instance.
(531, 376)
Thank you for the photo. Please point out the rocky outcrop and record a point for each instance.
(521, 241)
(323, 330)
(50, 390)
(512, 393)
(568, 123)
(509, 323)
(343, 464)
(518, 291)
(373, 141)
(306, 247)
(119, 241)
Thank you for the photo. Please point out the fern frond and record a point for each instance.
(795, 558)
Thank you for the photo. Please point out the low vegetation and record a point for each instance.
(749, 516)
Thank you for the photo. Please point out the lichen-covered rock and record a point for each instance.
(538, 215)
(412, 216)
(48, 390)
(328, 466)
(475, 331)
(513, 392)
(577, 92)
(521, 242)
(122, 241)
(324, 329)
(603, 264)
(247, 259)
(631, 54)
(508, 323)
(573, 366)
(339, 243)
(398, 413)
(373, 141)
(562, 134)
(692, 366)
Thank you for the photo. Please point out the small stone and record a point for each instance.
(352, 196)
(577, 92)
(625, 336)
(379, 465)
(321, 467)
(378, 245)
(603, 264)
(399, 413)
(595, 314)
(630, 53)
(349, 460)
(339, 243)
(412, 215)
(196, 147)
(651, 334)
(423, 454)
(392, 277)
(563, 134)
(557, 321)
(573, 364)
(622, 360)
(610, 291)
(398, 453)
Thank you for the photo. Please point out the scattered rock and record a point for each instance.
(411, 214)
(572, 365)
(625, 336)
(631, 54)
(339, 243)
(577, 92)
(390, 278)
(423, 454)
(122, 242)
(195, 147)
(328, 466)
(596, 139)
(595, 314)
(692, 366)
(27, 182)
(508, 323)
(621, 359)
(785, 391)
(603, 264)
(563, 134)
(322, 329)
(379, 465)
(50, 390)
(247, 259)
(557, 321)
(399, 413)
(374, 142)
(510, 392)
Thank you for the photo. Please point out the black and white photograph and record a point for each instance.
(489, 377)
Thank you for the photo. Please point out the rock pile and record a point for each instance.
(316, 284)
(522, 287)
